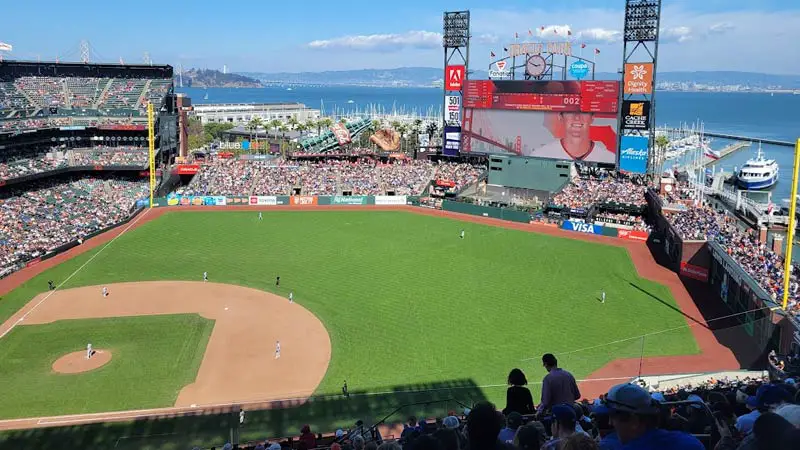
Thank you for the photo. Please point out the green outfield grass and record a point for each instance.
(406, 302)
(153, 358)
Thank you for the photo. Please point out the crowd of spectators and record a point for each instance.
(52, 213)
(622, 219)
(585, 192)
(366, 177)
(749, 413)
(22, 164)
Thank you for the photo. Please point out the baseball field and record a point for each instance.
(393, 302)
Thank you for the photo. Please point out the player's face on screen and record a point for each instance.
(576, 125)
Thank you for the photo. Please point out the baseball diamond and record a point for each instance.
(502, 286)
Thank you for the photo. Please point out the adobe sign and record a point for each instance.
(454, 77)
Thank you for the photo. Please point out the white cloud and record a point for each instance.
(486, 38)
(721, 27)
(409, 39)
(599, 36)
(675, 34)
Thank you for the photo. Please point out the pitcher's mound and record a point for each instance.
(76, 362)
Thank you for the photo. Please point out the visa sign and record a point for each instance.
(582, 227)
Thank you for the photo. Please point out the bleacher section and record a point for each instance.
(82, 92)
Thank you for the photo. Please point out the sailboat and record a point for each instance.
(206, 96)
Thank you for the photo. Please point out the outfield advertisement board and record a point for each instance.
(303, 200)
(633, 235)
(261, 200)
(349, 200)
(390, 199)
(694, 272)
(582, 227)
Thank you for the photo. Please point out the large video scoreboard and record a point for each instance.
(583, 96)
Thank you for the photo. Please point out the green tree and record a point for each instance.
(324, 123)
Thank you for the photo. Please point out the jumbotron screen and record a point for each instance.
(584, 96)
(567, 120)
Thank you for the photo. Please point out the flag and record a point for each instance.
(505, 49)
(569, 32)
(542, 28)
(597, 51)
(530, 33)
(516, 35)
(555, 30)
(5, 47)
(491, 54)
(583, 45)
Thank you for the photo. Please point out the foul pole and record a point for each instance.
(151, 150)
(787, 269)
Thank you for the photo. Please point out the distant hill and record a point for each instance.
(431, 76)
(205, 78)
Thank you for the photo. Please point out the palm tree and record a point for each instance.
(662, 142)
(253, 125)
(326, 122)
(311, 124)
(283, 129)
(293, 123)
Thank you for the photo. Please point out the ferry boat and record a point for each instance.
(758, 173)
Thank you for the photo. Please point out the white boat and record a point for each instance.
(711, 153)
(289, 89)
(758, 172)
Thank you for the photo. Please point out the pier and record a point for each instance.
(735, 137)
(724, 153)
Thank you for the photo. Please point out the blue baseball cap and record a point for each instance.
(564, 412)
(600, 410)
(752, 402)
(631, 398)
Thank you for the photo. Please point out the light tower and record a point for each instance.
(455, 40)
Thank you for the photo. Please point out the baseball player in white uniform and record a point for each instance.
(88, 350)
(277, 349)
(462, 234)
(291, 296)
(260, 217)
(105, 291)
(205, 276)
(603, 297)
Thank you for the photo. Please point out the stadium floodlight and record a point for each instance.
(456, 29)
(641, 20)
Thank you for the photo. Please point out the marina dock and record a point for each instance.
(735, 137)
(724, 153)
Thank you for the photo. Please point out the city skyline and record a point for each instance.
(290, 37)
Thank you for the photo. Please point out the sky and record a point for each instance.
(315, 35)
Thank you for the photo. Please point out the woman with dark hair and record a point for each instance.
(518, 397)
(529, 437)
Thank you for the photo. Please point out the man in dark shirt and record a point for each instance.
(558, 386)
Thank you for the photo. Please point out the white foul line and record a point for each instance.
(74, 273)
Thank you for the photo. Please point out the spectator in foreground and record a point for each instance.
(634, 415)
(562, 427)
(518, 397)
(558, 386)
(308, 437)
(483, 427)
(579, 442)
(530, 436)
(513, 422)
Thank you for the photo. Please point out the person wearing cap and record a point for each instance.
(634, 415)
(558, 386)
(451, 423)
(513, 422)
(562, 426)
(744, 423)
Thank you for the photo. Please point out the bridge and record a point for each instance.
(735, 137)
(481, 130)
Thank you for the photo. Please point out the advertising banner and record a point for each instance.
(694, 272)
(342, 133)
(121, 127)
(633, 155)
(499, 70)
(452, 140)
(577, 96)
(567, 136)
(579, 69)
(452, 108)
(390, 199)
(638, 78)
(424, 140)
(184, 200)
(261, 200)
(303, 200)
(633, 235)
(237, 201)
(582, 227)
(454, 77)
(635, 115)
(187, 169)
(214, 201)
(348, 200)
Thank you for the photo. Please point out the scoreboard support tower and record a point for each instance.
(455, 40)
(640, 53)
